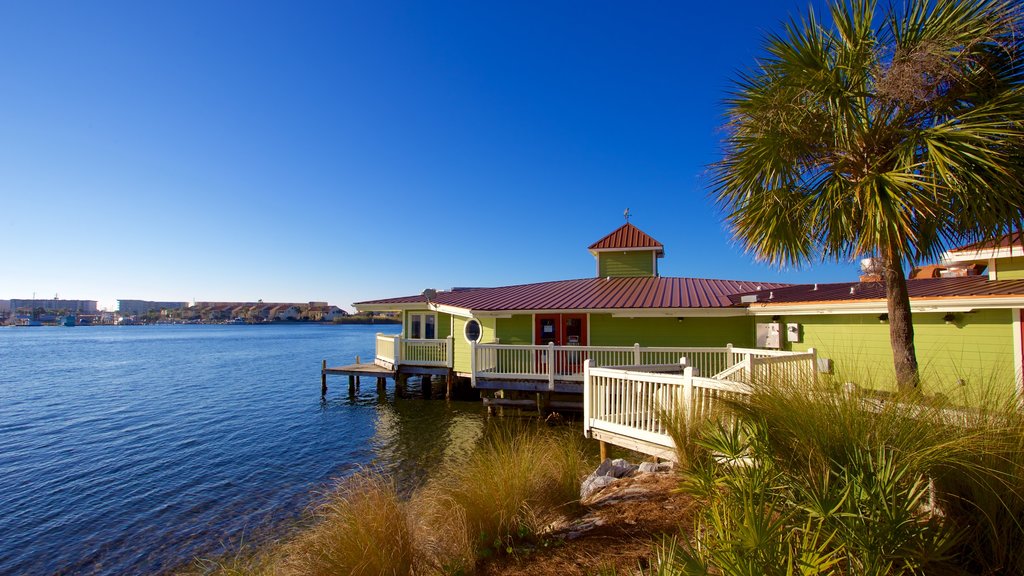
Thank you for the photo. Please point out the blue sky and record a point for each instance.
(346, 151)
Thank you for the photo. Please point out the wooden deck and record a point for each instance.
(371, 370)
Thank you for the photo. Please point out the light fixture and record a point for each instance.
(949, 318)
(775, 318)
(883, 318)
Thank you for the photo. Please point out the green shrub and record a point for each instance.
(816, 479)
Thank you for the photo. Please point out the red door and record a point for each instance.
(574, 331)
(561, 330)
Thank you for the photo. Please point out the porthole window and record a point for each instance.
(473, 331)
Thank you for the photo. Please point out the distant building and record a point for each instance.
(318, 312)
(140, 307)
(55, 305)
(5, 306)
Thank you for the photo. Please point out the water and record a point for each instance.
(135, 449)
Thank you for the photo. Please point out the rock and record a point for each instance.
(594, 484)
(610, 470)
(648, 467)
(621, 468)
(652, 467)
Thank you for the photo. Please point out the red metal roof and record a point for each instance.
(964, 287)
(1004, 242)
(595, 294)
(626, 236)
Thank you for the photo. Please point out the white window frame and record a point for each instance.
(478, 323)
(423, 325)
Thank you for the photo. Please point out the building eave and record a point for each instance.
(878, 306)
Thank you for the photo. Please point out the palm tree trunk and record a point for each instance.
(901, 327)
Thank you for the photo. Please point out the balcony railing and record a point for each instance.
(394, 350)
(629, 407)
(565, 363)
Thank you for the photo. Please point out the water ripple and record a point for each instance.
(135, 449)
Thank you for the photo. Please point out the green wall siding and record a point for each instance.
(633, 263)
(487, 333)
(977, 348)
(515, 330)
(607, 330)
(1010, 268)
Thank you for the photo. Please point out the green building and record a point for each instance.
(534, 337)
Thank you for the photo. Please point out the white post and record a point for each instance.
(688, 394)
(682, 364)
(398, 350)
(636, 354)
(450, 352)
(551, 366)
(729, 360)
(472, 364)
(750, 368)
(587, 395)
(814, 365)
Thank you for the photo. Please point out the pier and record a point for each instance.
(381, 373)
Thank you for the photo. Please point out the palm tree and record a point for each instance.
(892, 136)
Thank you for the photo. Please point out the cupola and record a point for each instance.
(627, 252)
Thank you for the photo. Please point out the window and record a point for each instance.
(473, 331)
(423, 326)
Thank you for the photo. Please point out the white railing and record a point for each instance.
(393, 350)
(636, 404)
(387, 348)
(565, 363)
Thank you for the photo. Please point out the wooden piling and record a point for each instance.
(400, 384)
(604, 451)
(351, 384)
(381, 385)
(323, 379)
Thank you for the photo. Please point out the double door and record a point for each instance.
(561, 330)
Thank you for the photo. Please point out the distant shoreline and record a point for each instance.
(357, 321)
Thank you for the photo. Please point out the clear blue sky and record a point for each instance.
(354, 150)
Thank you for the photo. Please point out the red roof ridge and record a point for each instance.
(627, 236)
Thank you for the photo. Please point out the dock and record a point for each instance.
(357, 371)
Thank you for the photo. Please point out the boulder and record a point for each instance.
(606, 473)
(595, 484)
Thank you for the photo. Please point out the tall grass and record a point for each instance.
(518, 480)
(363, 529)
(816, 479)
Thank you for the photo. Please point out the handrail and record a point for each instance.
(633, 404)
(629, 404)
(394, 350)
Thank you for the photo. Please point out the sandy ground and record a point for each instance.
(618, 530)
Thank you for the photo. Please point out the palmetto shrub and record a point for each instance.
(818, 479)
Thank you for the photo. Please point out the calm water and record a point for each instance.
(135, 449)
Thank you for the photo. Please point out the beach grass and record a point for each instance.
(518, 479)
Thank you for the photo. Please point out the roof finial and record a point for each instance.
(626, 214)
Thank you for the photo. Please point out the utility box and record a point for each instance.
(824, 365)
(792, 332)
(768, 335)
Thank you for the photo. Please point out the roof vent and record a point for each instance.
(748, 299)
(771, 295)
(815, 286)
(853, 289)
